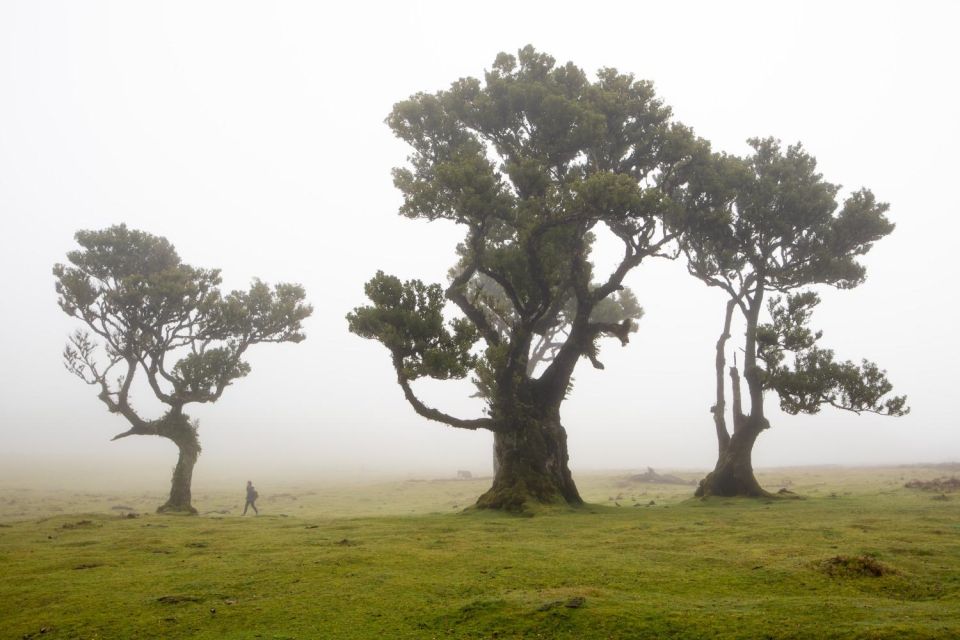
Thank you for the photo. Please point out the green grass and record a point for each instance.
(677, 569)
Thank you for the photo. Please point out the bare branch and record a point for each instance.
(433, 414)
(593, 360)
(507, 288)
(620, 330)
(456, 293)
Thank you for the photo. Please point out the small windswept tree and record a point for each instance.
(146, 313)
(530, 162)
(770, 224)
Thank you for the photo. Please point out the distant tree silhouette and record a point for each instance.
(167, 321)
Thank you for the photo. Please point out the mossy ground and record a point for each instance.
(346, 563)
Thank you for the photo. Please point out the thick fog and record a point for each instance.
(251, 135)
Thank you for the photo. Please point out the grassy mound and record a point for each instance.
(855, 567)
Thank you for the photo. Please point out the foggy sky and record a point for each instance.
(251, 135)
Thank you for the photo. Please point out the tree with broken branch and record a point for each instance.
(531, 162)
(770, 224)
(149, 315)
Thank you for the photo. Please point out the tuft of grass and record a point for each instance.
(855, 567)
(179, 599)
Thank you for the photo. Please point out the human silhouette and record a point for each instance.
(252, 496)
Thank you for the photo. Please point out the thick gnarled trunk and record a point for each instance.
(176, 427)
(733, 473)
(531, 467)
(180, 495)
(184, 435)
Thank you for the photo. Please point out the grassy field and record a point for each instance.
(859, 557)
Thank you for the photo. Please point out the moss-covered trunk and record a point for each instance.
(733, 474)
(184, 435)
(531, 467)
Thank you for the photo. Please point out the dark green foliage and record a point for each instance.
(531, 161)
(618, 308)
(815, 378)
(168, 321)
(770, 223)
(407, 318)
(570, 155)
(771, 219)
(133, 292)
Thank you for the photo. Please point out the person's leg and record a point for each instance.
(255, 510)
(245, 508)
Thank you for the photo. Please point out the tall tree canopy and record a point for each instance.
(770, 223)
(531, 162)
(148, 314)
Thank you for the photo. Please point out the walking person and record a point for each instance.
(252, 496)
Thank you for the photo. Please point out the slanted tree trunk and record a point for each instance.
(531, 467)
(184, 435)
